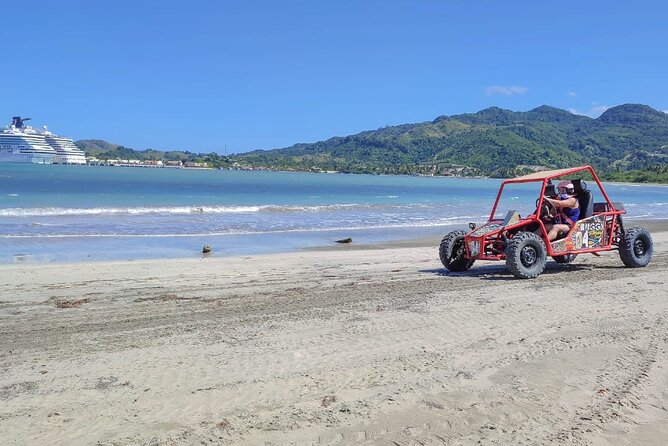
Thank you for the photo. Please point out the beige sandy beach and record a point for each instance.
(373, 346)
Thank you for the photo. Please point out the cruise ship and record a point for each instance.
(23, 144)
(66, 151)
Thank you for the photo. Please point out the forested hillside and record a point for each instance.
(628, 142)
(493, 142)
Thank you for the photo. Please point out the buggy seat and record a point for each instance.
(584, 197)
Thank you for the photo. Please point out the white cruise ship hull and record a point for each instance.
(34, 158)
(23, 144)
(66, 151)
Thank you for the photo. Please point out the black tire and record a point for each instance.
(636, 247)
(526, 255)
(566, 258)
(453, 253)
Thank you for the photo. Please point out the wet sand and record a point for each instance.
(346, 346)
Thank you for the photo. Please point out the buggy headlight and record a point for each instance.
(474, 247)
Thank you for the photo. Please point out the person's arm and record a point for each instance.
(567, 203)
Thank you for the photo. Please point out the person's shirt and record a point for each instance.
(573, 213)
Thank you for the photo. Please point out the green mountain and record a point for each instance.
(628, 142)
(94, 147)
(494, 142)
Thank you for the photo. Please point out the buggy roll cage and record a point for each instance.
(545, 177)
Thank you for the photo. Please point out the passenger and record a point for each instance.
(567, 207)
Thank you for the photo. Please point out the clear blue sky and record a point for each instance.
(202, 75)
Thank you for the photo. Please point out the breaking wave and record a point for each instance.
(231, 232)
(178, 210)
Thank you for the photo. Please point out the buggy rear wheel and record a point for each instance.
(526, 255)
(636, 247)
(566, 258)
(452, 252)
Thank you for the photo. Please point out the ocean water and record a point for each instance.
(73, 213)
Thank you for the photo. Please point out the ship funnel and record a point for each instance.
(18, 122)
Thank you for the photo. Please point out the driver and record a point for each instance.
(567, 208)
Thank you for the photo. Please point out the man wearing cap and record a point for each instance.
(567, 207)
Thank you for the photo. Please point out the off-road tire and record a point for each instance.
(453, 252)
(636, 247)
(526, 255)
(566, 258)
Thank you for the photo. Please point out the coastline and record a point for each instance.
(345, 346)
(169, 214)
(222, 251)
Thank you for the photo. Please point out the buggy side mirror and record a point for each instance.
(472, 226)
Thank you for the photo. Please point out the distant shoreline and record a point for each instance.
(329, 172)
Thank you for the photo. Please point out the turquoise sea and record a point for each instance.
(58, 213)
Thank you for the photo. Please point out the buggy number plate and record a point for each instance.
(588, 233)
(474, 247)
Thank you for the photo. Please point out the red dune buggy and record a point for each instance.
(523, 242)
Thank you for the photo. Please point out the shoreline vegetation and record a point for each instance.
(649, 176)
(627, 143)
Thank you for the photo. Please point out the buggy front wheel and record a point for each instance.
(526, 255)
